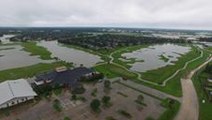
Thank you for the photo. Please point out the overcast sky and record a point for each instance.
(190, 14)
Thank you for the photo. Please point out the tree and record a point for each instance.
(140, 98)
(57, 106)
(74, 97)
(107, 84)
(208, 68)
(95, 104)
(66, 118)
(106, 100)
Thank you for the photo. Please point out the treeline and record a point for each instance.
(111, 41)
(206, 39)
(208, 69)
(27, 34)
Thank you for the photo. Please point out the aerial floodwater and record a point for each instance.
(152, 56)
(207, 43)
(12, 56)
(77, 57)
(5, 39)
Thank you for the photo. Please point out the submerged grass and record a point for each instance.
(34, 49)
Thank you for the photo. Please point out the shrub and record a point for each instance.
(57, 105)
(95, 104)
(106, 100)
(67, 118)
(107, 84)
(125, 113)
(94, 92)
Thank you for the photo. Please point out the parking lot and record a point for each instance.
(122, 98)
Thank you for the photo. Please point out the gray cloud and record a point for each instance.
(194, 14)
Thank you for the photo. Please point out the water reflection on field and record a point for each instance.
(77, 57)
(152, 56)
(12, 56)
(5, 39)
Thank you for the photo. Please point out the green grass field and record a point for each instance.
(36, 50)
(209, 48)
(204, 108)
(29, 71)
(171, 110)
(112, 70)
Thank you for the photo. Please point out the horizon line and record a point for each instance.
(115, 27)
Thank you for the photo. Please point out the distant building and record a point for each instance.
(13, 92)
(63, 76)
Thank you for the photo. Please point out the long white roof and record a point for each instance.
(15, 89)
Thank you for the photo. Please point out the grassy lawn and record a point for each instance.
(204, 108)
(172, 108)
(209, 48)
(159, 75)
(112, 70)
(29, 71)
(36, 50)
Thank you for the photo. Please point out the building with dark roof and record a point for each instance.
(63, 76)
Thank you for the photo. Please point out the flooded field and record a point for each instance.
(5, 38)
(75, 56)
(12, 56)
(207, 43)
(155, 56)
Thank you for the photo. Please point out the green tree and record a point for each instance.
(106, 100)
(57, 106)
(107, 84)
(140, 98)
(66, 118)
(95, 104)
(73, 97)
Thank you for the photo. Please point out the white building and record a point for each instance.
(13, 92)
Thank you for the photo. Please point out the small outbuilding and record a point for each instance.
(13, 92)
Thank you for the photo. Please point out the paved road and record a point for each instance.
(189, 109)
